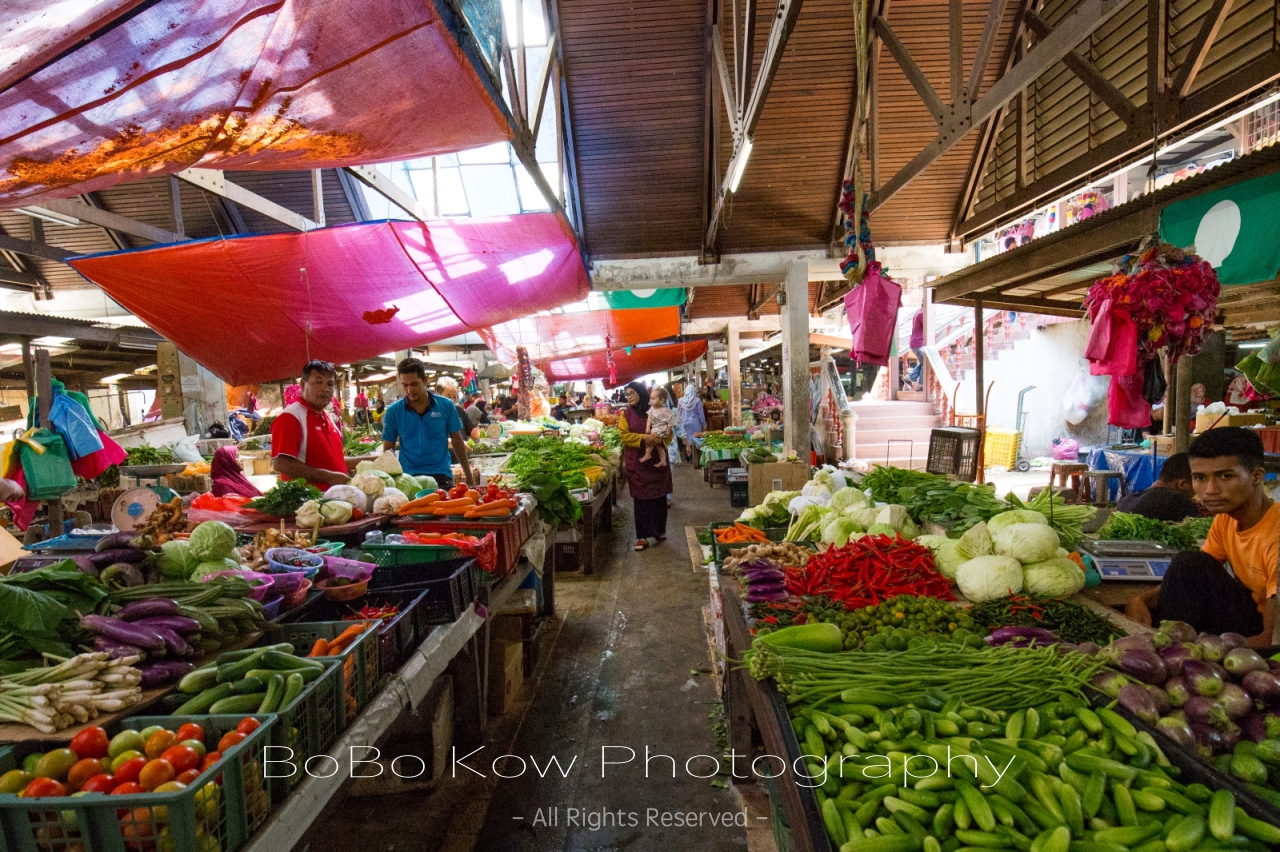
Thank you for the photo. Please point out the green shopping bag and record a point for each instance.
(45, 464)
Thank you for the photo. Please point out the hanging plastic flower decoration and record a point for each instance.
(1172, 296)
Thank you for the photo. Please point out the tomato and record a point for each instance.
(155, 773)
(41, 788)
(357, 515)
(128, 789)
(91, 742)
(230, 739)
(210, 759)
(160, 742)
(188, 776)
(83, 770)
(248, 726)
(442, 494)
(99, 784)
(130, 769)
(182, 758)
(190, 731)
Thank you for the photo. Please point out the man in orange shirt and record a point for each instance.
(1227, 473)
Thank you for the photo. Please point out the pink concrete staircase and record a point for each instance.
(896, 432)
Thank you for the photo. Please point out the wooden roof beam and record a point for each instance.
(387, 188)
(1078, 26)
(112, 221)
(1029, 306)
(214, 182)
(914, 75)
(1199, 50)
(1088, 73)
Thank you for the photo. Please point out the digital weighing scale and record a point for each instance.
(1136, 561)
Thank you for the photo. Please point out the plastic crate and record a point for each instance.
(738, 495)
(1001, 448)
(397, 637)
(953, 451)
(207, 815)
(392, 555)
(307, 726)
(360, 662)
(456, 582)
(721, 551)
(512, 533)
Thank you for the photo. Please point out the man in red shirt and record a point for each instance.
(305, 441)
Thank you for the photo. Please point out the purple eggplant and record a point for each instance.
(150, 608)
(85, 564)
(1241, 661)
(123, 631)
(1208, 740)
(1089, 649)
(1274, 665)
(179, 624)
(1254, 727)
(1177, 730)
(1160, 697)
(1036, 634)
(116, 650)
(1139, 702)
(1214, 647)
(1146, 666)
(1236, 702)
(1177, 654)
(1231, 735)
(103, 558)
(1203, 710)
(1263, 686)
(1110, 682)
(1177, 690)
(122, 575)
(160, 672)
(1202, 678)
(1171, 632)
(1235, 640)
(1136, 642)
(115, 541)
(173, 643)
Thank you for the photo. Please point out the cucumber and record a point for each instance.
(278, 660)
(234, 671)
(1222, 814)
(1054, 839)
(1248, 768)
(193, 683)
(248, 685)
(236, 656)
(238, 703)
(308, 674)
(292, 689)
(977, 805)
(201, 703)
(1257, 829)
(1187, 834)
(888, 843)
(1128, 835)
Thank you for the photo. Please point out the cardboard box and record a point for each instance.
(506, 675)
(760, 478)
(1206, 421)
(1164, 444)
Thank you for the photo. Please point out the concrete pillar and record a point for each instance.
(735, 373)
(1182, 414)
(795, 360)
(979, 343)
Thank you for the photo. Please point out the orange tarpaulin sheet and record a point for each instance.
(554, 336)
(642, 361)
(233, 84)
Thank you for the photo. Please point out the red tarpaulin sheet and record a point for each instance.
(255, 309)
(555, 336)
(641, 362)
(234, 84)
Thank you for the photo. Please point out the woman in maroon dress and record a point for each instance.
(649, 483)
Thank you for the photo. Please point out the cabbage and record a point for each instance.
(892, 515)
(369, 483)
(335, 512)
(1015, 516)
(985, 578)
(909, 529)
(1063, 553)
(176, 560)
(389, 463)
(1056, 577)
(847, 498)
(864, 517)
(1027, 543)
(976, 541)
(348, 494)
(363, 466)
(407, 484)
(211, 566)
(881, 529)
(426, 483)
(838, 530)
(212, 540)
(388, 481)
(946, 554)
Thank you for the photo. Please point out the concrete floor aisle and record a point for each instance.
(618, 675)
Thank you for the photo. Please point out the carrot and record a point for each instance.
(319, 649)
(344, 639)
(497, 504)
(488, 512)
(414, 507)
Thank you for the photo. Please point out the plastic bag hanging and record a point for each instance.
(872, 308)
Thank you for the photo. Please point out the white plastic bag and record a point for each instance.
(185, 450)
(1084, 392)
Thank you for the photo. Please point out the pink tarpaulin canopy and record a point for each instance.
(642, 361)
(233, 84)
(555, 336)
(254, 309)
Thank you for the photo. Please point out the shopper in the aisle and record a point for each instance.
(426, 425)
(649, 483)
(1226, 470)
(693, 419)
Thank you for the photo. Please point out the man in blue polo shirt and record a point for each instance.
(425, 424)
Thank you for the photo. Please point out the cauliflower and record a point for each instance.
(308, 514)
(349, 494)
(388, 462)
(371, 485)
(390, 502)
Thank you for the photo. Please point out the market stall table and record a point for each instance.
(597, 520)
(1140, 467)
(351, 533)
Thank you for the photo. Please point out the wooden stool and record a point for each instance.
(1097, 487)
(1062, 471)
(718, 471)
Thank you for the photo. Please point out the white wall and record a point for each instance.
(1048, 359)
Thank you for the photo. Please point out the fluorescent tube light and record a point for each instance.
(740, 165)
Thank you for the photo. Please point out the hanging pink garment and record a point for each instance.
(1125, 406)
(872, 308)
(1112, 349)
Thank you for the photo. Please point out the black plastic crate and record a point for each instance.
(738, 495)
(953, 451)
(453, 584)
(397, 637)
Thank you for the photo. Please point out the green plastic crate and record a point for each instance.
(360, 669)
(209, 816)
(309, 726)
(407, 554)
(721, 551)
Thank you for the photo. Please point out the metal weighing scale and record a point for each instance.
(1135, 561)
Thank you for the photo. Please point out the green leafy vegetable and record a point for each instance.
(1124, 526)
(147, 454)
(283, 500)
(953, 505)
(556, 505)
